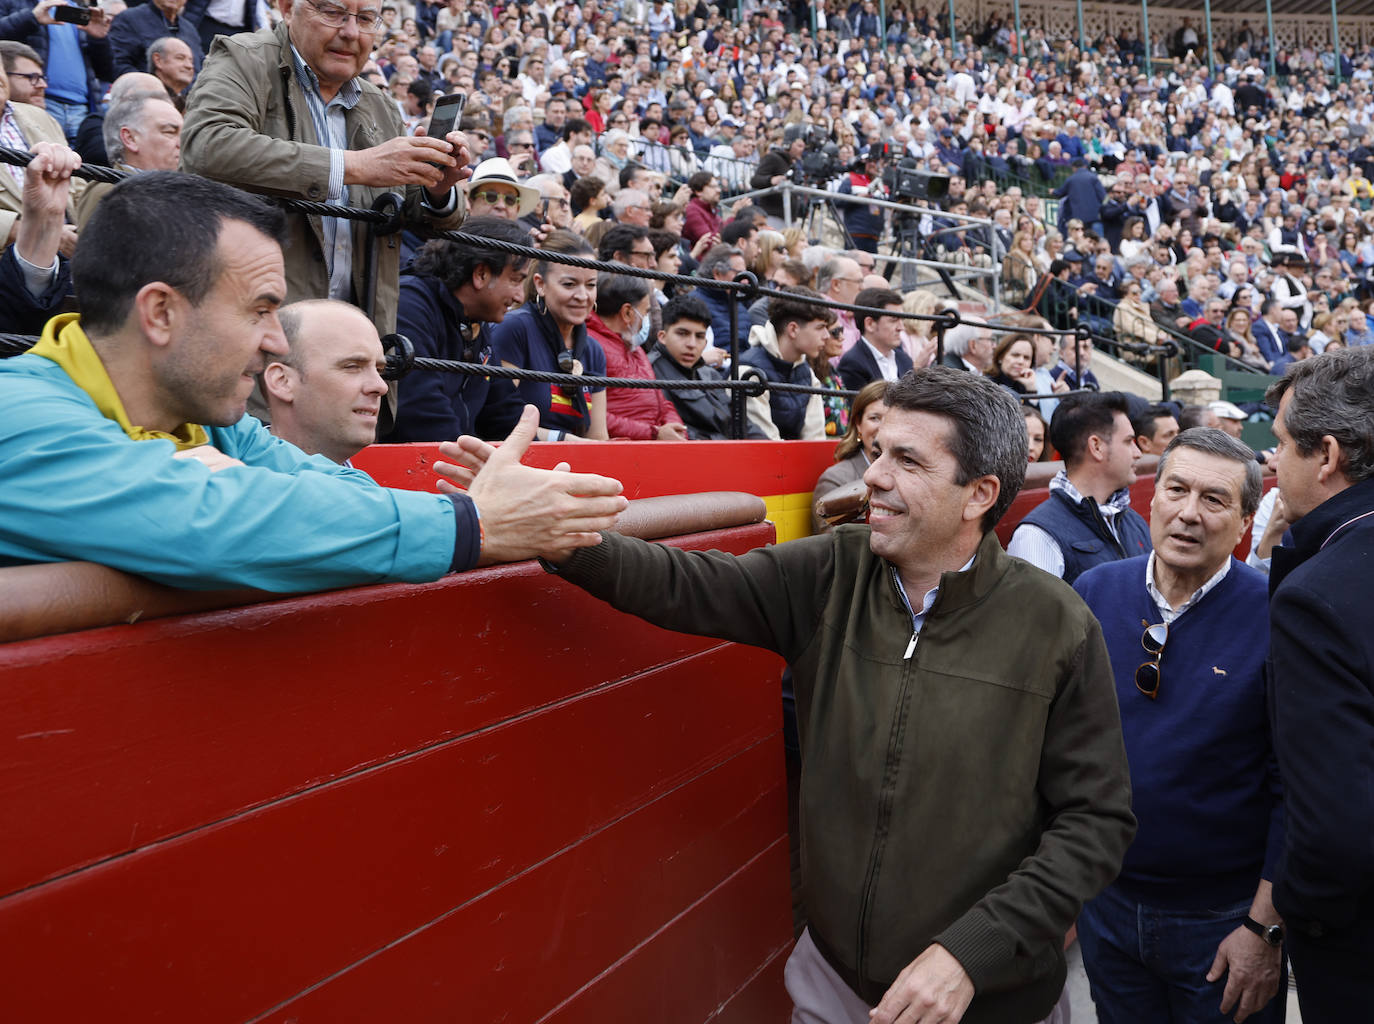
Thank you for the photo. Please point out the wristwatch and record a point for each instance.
(1270, 933)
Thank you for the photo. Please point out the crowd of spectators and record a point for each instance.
(1204, 199)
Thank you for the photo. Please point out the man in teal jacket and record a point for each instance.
(964, 785)
(123, 438)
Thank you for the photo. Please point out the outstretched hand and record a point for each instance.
(528, 512)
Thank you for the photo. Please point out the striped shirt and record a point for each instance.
(332, 132)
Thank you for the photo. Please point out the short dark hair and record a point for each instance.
(878, 298)
(159, 226)
(685, 307)
(699, 181)
(575, 126)
(662, 240)
(615, 290)
(736, 231)
(989, 437)
(1331, 395)
(1079, 417)
(619, 239)
(1143, 423)
(628, 172)
(454, 263)
(786, 310)
(584, 190)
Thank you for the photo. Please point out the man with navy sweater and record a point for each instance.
(1087, 519)
(1188, 931)
(1322, 679)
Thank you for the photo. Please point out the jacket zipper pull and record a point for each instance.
(910, 647)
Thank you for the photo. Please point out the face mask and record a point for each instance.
(641, 334)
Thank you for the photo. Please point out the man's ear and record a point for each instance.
(982, 496)
(1332, 459)
(126, 136)
(481, 276)
(160, 310)
(279, 382)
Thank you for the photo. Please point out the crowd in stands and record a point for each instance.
(1201, 200)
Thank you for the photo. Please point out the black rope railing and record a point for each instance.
(387, 216)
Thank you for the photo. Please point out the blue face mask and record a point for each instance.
(642, 335)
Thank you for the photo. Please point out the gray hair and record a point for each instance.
(1138, 260)
(1211, 441)
(989, 436)
(1333, 394)
(616, 290)
(829, 270)
(159, 48)
(626, 198)
(716, 257)
(514, 115)
(127, 111)
(958, 338)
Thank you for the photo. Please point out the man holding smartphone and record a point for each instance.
(284, 111)
(70, 39)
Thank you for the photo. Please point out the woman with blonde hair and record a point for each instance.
(1132, 322)
(772, 254)
(794, 241)
(917, 337)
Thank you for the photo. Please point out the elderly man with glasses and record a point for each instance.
(1188, 931)
(283, 111)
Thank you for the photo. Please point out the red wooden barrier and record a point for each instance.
(394, 803)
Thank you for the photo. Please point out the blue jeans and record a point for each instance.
(1146, 964)
(69, 115)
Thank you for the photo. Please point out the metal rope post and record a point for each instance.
(390, 204)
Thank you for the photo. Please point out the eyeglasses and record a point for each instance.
(558, 202)
(337, 17)
(619, 122)
(493, 198)
(519, 145)
(34, 77)
(1147, 675)
(566, 361)
(837, 332)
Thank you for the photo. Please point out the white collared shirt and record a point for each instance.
(1168, 611)
(887, 362)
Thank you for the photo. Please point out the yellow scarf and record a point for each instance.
(66, 344)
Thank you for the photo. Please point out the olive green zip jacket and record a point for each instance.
(969, 788)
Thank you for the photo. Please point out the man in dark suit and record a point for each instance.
(1082, 194)
(878, 355)
(1321, 696)
(1266, 331)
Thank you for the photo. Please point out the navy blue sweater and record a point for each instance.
(1204, 782)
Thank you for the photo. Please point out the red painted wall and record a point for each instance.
(395, 803)
(647, 470)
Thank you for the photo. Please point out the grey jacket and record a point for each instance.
(248, 124)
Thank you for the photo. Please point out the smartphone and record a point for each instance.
(72, 15)
(447, 111)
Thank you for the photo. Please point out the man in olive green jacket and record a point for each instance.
(964, 786)
(255, 117)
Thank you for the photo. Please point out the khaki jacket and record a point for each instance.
(38, 126)
(248, 124)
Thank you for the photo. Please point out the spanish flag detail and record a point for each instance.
(562, 403)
